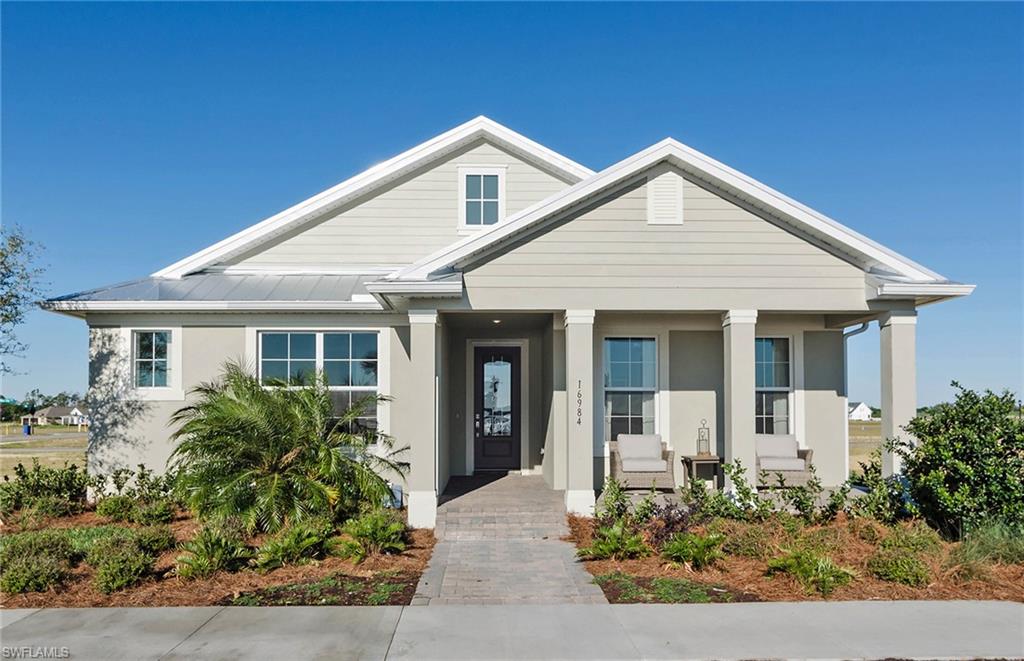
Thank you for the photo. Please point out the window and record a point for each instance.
(348, 360)
(772, 383)
(481, 196)
(150, 351)
(630, 367)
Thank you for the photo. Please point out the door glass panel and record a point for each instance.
(497, 389)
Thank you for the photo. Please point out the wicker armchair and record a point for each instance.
(779, 454)
(640, 461)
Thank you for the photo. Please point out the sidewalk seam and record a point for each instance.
(398, 620)
(194, 632)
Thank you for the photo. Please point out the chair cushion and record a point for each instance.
(640, 446)
(776, 445)
(782, 464)
(644, 465)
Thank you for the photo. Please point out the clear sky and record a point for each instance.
(136, 134)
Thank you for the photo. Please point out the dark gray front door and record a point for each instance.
(496, 413)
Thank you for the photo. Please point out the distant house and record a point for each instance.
(859, 411)
(58, 415)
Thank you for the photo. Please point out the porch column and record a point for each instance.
(899, 379)
(738, 333)
(579, 384)
(422, 407)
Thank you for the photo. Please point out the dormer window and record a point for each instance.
(481, 196)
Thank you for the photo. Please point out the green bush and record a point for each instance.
(154, 539)
(51, 507)
(915, 537)
(967, 464)
(157, 511)
(698, 551)
(376, 531)
(68, 484)
(121, 567)
(886, 500)
(814, 572)
(117, 508)
(210, 551)
(277, 456)
(614, 502)
(748, 540)
(297, 544)
(899, 565)
(32, 574)
(53, 544)
(614, 541)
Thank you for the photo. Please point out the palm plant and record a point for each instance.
(278, 455)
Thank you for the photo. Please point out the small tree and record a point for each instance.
(967, 464)
(20, 289)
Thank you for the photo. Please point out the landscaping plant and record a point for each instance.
(210, 551)
(967, 464)
(814, 571)
(117, 508)
(615, 541)
(374, 532)
(697, 551)
(296, 544)
(36, 573)
(899, 566)
(277, 456)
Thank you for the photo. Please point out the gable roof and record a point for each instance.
(371, 180)
(872, 257)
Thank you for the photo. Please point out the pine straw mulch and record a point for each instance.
(163, 588)
(747, 575)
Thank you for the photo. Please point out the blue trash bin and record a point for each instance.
(27, 429)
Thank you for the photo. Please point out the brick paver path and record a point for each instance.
(499, 542)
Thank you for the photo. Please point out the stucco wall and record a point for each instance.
(825, 405)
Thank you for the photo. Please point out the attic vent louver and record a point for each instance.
(664, 197)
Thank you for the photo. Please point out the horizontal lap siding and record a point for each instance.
(409, 220)
(721, 256)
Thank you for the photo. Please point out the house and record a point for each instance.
(859, 411)
(521, 309)
(58, 415)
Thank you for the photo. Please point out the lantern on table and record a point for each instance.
(704, 439)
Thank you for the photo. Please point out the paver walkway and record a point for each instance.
(499, 542)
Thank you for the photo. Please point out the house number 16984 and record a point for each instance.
(579, 402)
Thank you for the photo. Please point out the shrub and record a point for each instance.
(51, 507)
(53, 544)
(614, 541)
(154, 539)
(210, 551)
(157, 511)
(117, 508)
(277, 456)
(887, 499)
(374, 532)
(915, 537)
(990, 542)
(967, 465)
(866, 530)
(899, 566)
(812, 571)
(666, 520)
(68, 484)
(646, 508)
(35, 573)
(297, 544)
(748, 540)
(614, 503)
(820, 540)
(83, 539)
(121, 567)
(698, 551)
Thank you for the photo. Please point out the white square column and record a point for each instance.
(422, 407)
(738, 332)
(579, 386)
(899, 379)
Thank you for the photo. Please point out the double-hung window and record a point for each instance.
(482, 192)
(150, 355)
(772, 385)
(630, 369)
(347, 359)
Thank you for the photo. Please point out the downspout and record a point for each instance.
(846, 394)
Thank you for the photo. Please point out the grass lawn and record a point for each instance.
(12, 430)
(78, 442)
(49, 460)
(865, 437)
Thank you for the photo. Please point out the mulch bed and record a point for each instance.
(747, 575)
(163, 588)
(339, 589)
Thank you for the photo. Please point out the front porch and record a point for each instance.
(533, 393)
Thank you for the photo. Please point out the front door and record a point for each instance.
(496, 413)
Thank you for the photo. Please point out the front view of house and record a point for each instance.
(521, 311)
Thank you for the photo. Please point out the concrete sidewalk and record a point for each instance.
(850, 630)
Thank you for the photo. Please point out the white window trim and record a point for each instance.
(656, 390)
(252, 352)
(466, 170)
(174, 391)
(791, 420)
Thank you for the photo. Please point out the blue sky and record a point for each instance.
(135, 134)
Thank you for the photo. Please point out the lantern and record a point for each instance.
(704, 439)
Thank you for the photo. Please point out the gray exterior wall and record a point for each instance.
(825, 405)
(722, 257)
(696, 388)
(413, 218)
